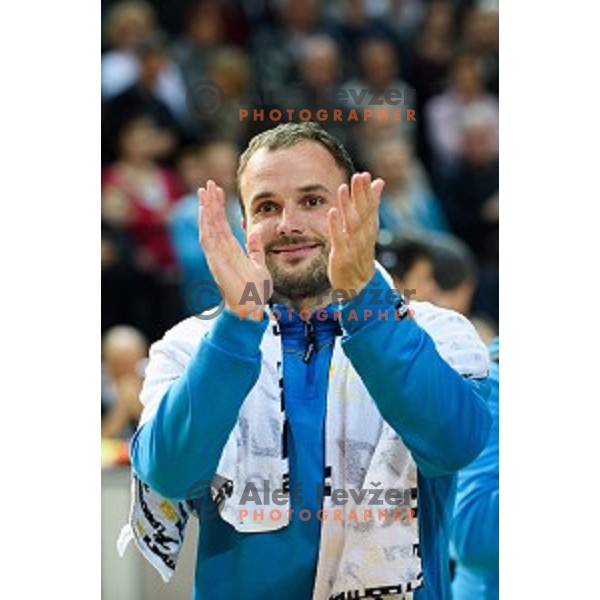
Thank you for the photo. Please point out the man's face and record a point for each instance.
(287, 194)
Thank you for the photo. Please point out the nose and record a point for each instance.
(291, 222)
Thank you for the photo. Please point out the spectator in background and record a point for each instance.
(433, 50)
(462, 286)
(276, 46)
(167, 107)
(444, 114)
(440, 269)
(124, 351)
(217, 161)
(229, 69)
(137, 196)
(403, 15)
(208, 27)
(481, 37)
(191, 168)
(407, 202)
(410, 262)
(477, 510)
(137, 47)
(469, 192)
(320, 70)
(379, 75)
(357, 21)
(466, 286)
(367, 135)
(455, 273)
(204, 32)
(320, 67)
(126, 25)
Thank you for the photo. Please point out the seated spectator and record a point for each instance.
(168, 110)
(410, 262)
(229, 69)
(379, 76)
(131, 33)
(440, 269)
(407, 202)
(216, 161)
(209, 29)
(357, 21)
(124, 351)
(403, 16)
(319, 67)
(480, 35)
(469, 192)
(126, 25)
(455, 273)
(366, 136)
(445, 114)
(137, 196)
(320, 70)
(276, 46)
(464, 285)
(207, 25)
(203, 34)
(477, 510)
(191, 169)
(433, 50)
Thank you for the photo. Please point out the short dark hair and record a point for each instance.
(401, 255)
(453, 262)
(287, 135)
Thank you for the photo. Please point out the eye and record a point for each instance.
(265, 208)
(313, 201)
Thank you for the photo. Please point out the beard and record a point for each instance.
(311, 282)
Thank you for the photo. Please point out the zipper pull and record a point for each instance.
(311, 341)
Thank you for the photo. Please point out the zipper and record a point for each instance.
(311, 341)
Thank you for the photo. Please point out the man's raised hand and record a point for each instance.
(239, 275)
(353, 229)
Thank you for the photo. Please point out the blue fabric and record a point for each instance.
(237, 565)
(442, 419)
(425, 214)
(183, 232)
(476, 523)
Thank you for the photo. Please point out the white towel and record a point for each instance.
(363, 557)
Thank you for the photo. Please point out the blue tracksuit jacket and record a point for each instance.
(476, 521)
(442, 418)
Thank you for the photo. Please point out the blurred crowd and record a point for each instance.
(175, 75)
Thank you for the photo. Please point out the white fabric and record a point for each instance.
(355, 554)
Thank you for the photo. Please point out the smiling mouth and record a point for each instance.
(295, 250)
(292, 248)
